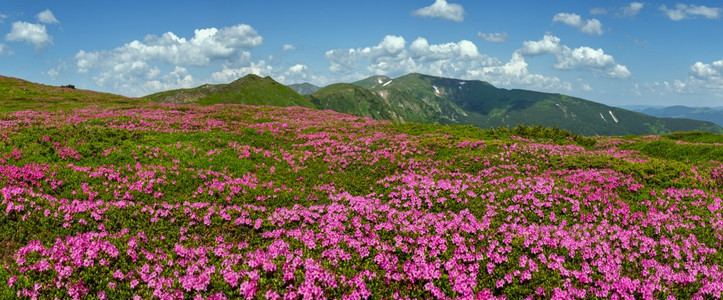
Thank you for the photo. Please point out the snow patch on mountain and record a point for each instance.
(611, 114)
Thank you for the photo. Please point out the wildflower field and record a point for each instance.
(229, 201)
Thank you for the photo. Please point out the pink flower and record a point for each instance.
(12, 281)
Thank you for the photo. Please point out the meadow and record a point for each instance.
(162, 201)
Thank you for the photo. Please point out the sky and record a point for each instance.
(612, 52)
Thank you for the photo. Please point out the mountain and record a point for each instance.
(711, 114)
(304, 88)
(250, 89)
(19, 94)
(428, 99)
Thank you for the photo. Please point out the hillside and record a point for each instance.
(710, 114)
(234, 201)
(304, 88)
(352, 99)
(429, 99)
(18, 94)
(250, 89)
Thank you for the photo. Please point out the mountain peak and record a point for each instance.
(251, 89)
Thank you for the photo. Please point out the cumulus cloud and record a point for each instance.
(455, 59)
(599, 11)
(632, 9)
(582, 58)
(423, 51)
(34, 34)
(442, 9)
(684, 11)
(515, 72)
(548, 44)
(206, 46)
(288, 47)
(228, 74)
(497, 37)
(136, 68)
(706, 78)
(47, 17)
(384, 57)
(591, 26)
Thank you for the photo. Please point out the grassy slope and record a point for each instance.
(250, 90)
(352, 99)
(432, 99)
(17, 94)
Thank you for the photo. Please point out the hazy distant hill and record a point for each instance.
(304, 88)
(429, 99)
(250, 89)
(711, 114)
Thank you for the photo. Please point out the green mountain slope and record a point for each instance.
(18, 94)
(250, 89)
(354, 100)
(429, 99)
(304, 88)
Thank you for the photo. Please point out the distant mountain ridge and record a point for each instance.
(429, 99)
(304, 88)
(710, 114)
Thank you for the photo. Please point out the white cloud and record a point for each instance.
(288, 47)
(442, 9)
(684, 11)
(705, 78)
(2, 18)
(591, 26)
(599, 11)
(35, 34)
(423, 51)
(548, 44)
(207, 45)
(384, 57)
(593, 59)
(136, 67)
(457, 60)
(55, 72)
(4, 50)
(298, 68)
(515, 73)
(228, 74)
(573, 20)
(47, 17)
(497, 37)
(582, 58)
(632, 9)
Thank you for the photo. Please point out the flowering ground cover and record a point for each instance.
(229, 201)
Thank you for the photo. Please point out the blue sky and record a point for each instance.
(613, 52)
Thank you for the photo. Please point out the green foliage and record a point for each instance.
(695, 137)
(683, 152)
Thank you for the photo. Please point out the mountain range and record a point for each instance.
(410, 98)
(711, 114)
(429, 99)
